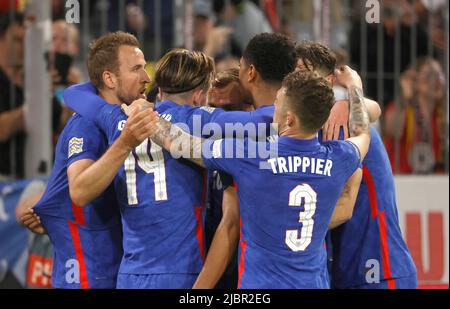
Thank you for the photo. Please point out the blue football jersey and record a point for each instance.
(87, 241)
(372, 237)
(285, 209)
(161, 199)
(83, 99)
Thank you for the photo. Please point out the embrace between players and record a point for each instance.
(127, 196)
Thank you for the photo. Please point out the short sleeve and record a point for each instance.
(84, 141)
(226, 180)
(350, 157)
(224, 155)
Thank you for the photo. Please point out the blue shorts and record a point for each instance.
(399, 283)
(157, 281)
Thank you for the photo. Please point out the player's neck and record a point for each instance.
(298, 134)
(109, 97)
(180, 100)
(264, 95)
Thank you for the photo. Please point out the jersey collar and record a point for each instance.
(301, 144)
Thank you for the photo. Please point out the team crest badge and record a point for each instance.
(75, 146)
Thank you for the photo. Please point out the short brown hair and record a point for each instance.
(181, 70)
(310, 97)
(103, 55)
(226, 77)
(316, 57)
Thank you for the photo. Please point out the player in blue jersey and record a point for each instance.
(286, 208)
(161, 199)
(368, 251)
(226, 93)
(87, 241)
(261, 77)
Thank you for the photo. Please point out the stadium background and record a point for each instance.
(382, 52)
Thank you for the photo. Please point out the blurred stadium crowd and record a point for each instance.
(403, 60)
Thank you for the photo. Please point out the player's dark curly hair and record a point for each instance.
(310, 97)
(316, 57)
(273, 56)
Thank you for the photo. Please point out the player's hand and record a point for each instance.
(140, 104)
(32, 222)
(138, 127)
(338, 118)
(347, 77)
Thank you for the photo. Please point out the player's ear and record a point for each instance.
(290, 119)
(109, 79)
(251, 73)
(330, 78)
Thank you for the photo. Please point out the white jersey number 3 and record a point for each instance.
(145, 162)
(302, 193)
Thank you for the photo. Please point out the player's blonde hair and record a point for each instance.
(181, 71)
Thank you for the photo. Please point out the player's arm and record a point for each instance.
(84, 100)
(374, 109)
(89, 178)
(359, 123)
(224, 242)
(360, 132)
(344, 207)
(339, 117)
(179, 143)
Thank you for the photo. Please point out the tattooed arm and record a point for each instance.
(360, 138)
(359, 122)
(346, 203)
(179, 143)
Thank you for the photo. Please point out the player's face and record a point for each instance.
(279, 115)
(228, 97)
(133, 77)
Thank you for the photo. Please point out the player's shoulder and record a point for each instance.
(81, 127)
(342, 149)
(77, 122)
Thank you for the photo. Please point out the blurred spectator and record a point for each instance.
(12, 122)
(245, 17)
(393, 12)
(58, 9)
(430, 14)
(138, 20)
(418, 121)
(298, 18)
(208, 38)
(65, 49)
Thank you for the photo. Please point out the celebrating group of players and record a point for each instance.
(133, 188)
